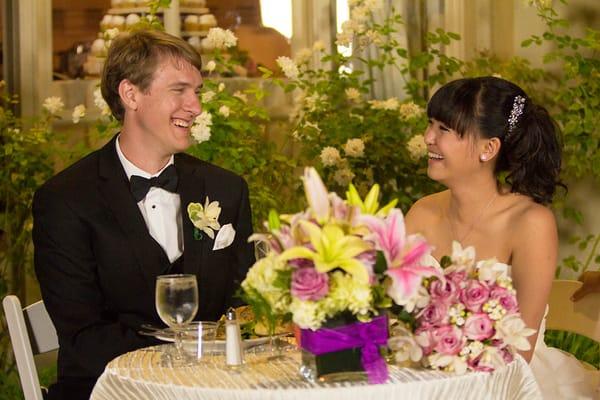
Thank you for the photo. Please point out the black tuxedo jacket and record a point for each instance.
(97, 264)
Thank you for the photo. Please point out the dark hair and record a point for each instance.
(530, 153)
(135, 57)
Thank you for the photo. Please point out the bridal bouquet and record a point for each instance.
(469, 319)
(334, 267)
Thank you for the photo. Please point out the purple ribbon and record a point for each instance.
(366, 335)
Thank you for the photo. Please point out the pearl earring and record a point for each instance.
(483, 158)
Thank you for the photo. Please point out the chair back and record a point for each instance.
(31, 333)
(581, 317)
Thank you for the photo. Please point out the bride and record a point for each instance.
(481, 129)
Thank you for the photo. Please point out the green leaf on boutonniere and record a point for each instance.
(198, 234)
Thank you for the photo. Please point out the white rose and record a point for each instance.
(416, 147)
(210, 66)
(343, 176)
(410, 110)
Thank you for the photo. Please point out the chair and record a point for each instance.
(31, 333)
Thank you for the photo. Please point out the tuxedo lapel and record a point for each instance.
(114, 187)
(191, 189)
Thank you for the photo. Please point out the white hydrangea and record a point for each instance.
(288, 66)
(53, 105)
(224, 111)
(330, 156)
(348, 293)
(201, 128)
(208, 96)
(353, 94)
(390, 104)
(219, 38)
(78, 113)
(101, 103)
(343, 176)
(416, 147)
(210, 66)
(307, 314)
(354, 148)
(410, 110)
(261, 277)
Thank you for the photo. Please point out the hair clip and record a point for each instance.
(517, 110)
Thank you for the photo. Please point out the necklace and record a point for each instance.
(472, 225)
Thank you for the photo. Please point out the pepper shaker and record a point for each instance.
(233, 340)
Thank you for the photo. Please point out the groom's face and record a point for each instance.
(166, 110)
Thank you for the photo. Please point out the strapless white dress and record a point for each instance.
(559, 375)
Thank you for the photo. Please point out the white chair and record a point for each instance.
(581, 317)
(31, 333)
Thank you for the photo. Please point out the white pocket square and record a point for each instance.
(224, 237)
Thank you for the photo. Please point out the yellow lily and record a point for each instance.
(332, 249)
(370, 205)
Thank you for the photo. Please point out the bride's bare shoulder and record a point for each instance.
(531, 220)
(426, 211)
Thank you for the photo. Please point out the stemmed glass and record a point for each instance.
(177, 304)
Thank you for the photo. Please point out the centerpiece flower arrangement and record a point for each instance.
(341, 267)
(333, 269)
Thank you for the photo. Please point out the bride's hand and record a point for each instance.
(591, 284)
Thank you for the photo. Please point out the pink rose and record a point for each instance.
(445, 291)
(476, 364)
(474, 295)
(506, 299)
(457, 276)
(506, 354)
(478, 326)
(433, 314)
(309, 284)
(448, 340)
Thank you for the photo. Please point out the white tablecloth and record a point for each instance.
(143, 374)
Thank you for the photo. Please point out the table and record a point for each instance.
(144, 374)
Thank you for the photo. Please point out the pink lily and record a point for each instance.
(316, 194)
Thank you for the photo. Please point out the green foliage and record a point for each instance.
(585, 349)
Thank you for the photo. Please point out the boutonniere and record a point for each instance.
(205, 218)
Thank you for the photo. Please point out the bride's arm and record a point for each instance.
(534, 257)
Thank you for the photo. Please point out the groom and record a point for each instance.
(107, 226)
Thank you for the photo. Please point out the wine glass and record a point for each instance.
(177, 304)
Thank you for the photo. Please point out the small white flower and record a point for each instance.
(344, 38)
(219, 38)
(221, 87)
(410, 110)
(303, 56)
(513, 331)
(416, 147)
(353, 94)
(343, 176)
(241, 96)
(461, 258)
(490, 270)
(375, 37)
(205, 218)
(354, 148)
(389, 104)
(53, 105)
(210, 66)
(207, 96)
(404, 345)
(201, 127)
(319, 45)
(330, 156)
(288, 66)
(101, 103)
(78, 113)
(224, 111)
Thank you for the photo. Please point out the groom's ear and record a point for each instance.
(490, 149)
(128, 93)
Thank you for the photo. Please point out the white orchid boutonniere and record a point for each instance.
(205, 218)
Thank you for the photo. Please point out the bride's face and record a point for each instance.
(451, 156)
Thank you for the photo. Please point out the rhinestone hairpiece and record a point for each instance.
(515, 113)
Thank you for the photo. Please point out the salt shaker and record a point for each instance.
(233, 340)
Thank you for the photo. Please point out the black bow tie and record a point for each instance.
(166, 180)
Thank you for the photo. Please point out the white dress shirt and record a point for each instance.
(161, 210)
